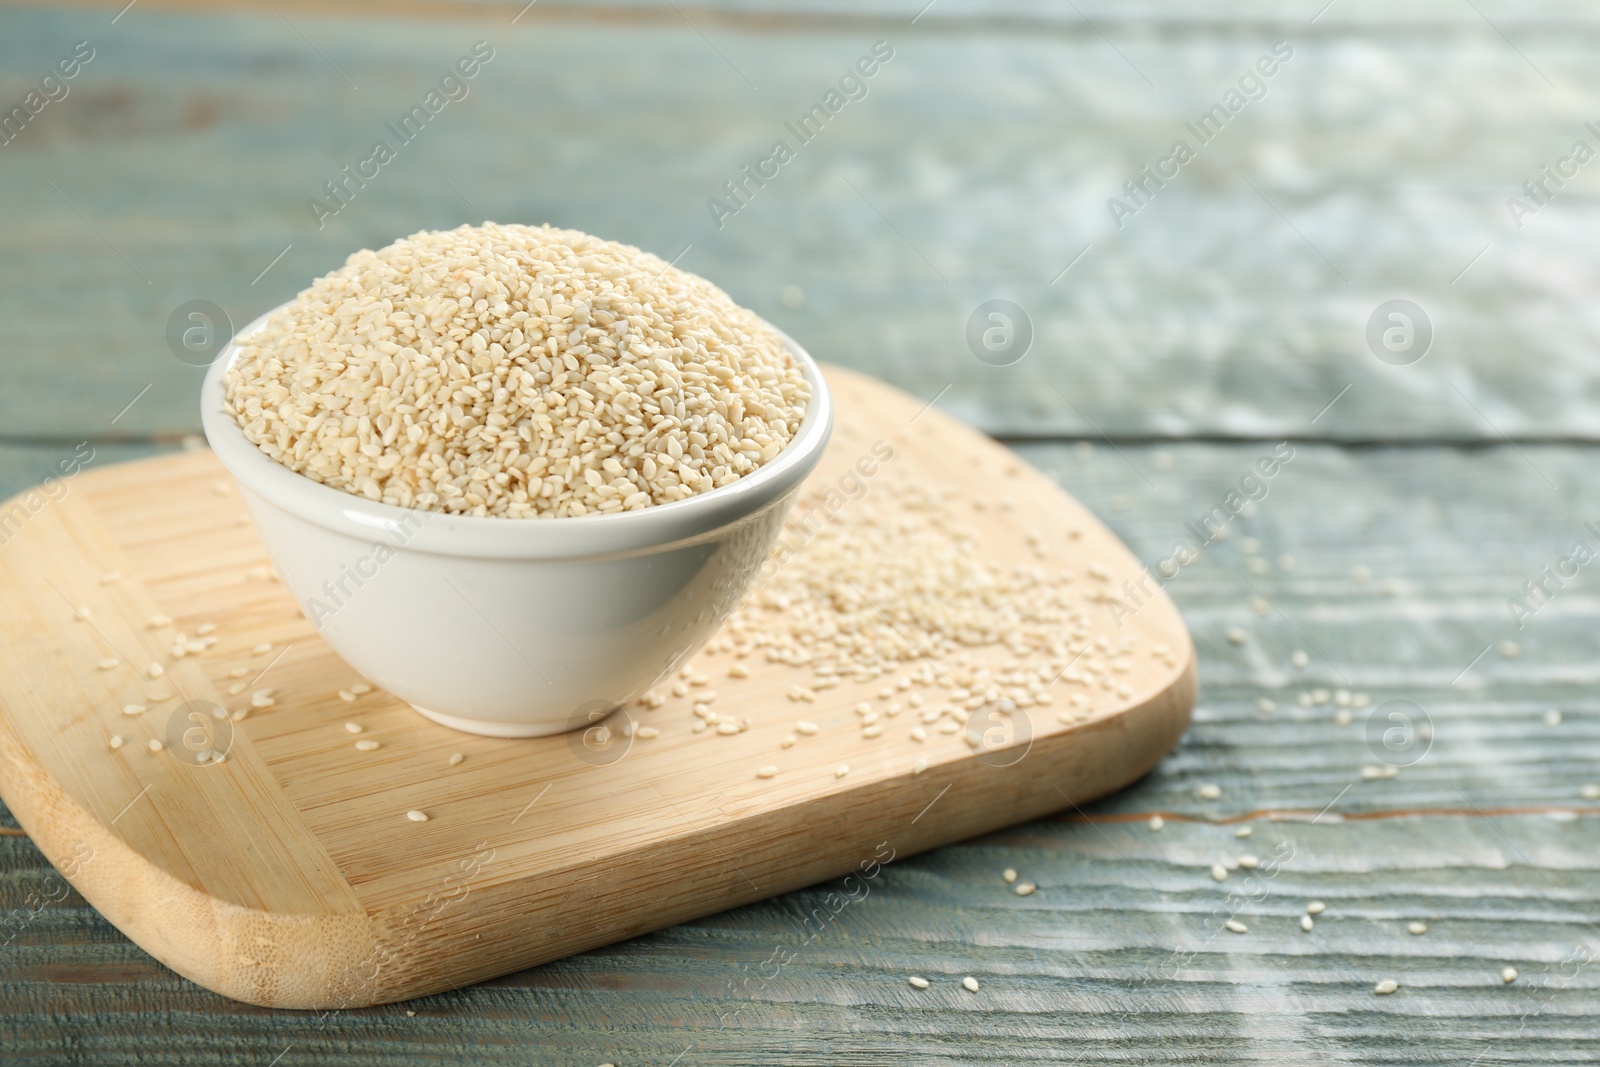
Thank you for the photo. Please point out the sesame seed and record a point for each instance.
(970, 983)
(133, 709)
(806, 728)
(116, 741)
(1157, 822)
(353, 728)
(1552, 717)
(238, 672)
(81, 613)
(1590, 791)
(416, 816)
(841, 770)
(455, 759)
(1025, 889)
(1009, 874)
(1266, 706)
(1219, 872)
(262, 698)
(109, 663)
(872, 731)
(261, 649)
(1244, 831)
(1236, 926)
(647, 732)
(726, 728)
(159, 621)
(1249, 862)
(206, 628)
(1509, 649)
(1417, 928)
(1385, 987)
(154, 745)
(347, 696)
(918, 734)
(1508, 975)
(1299, 658)
(768, 771)
(920, 766)
(1208, 791)
(366, 745)
(1316, 907)
(1306, 923)
(1236, 635)
(236, 688)
(918, 983)
(361, 689)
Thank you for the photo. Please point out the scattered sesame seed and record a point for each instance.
(738, 670)
(1009, 874)
(1219, 872)
(918, 734)
(1306, 923)
(872, 731)
(1552, 717)
(133, 709)
(416, 816)
(82, 613)
(1508, 975)
(1025, 889)
(366, 744)
(1385, 987)
(1343, 717)
(116, 741)
(918, 983)
(154, 745)
(1266, 705)
(347, 696)
(768, 771)
(806, 728)
(1244, 831)
(353, 728)
(971, 983)
(1249, 862)
(1157, 822)
(1316, 907)
(647, 732)
(1299, 658)
(236, 688)
(159, 621)
(1509, 649)
(1416, 928)
(1208, 791)
(455, 759)
(261, 649)
(841, 770)
(240, 714)
(920, 766)
(108, 663)
(238, 672)
(262, 698)
(1236, 635)
(1236, 926)
(361, 689)
(1590, 791)
(206, 628)
(727, 728)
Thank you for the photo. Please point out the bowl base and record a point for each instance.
(489, 728)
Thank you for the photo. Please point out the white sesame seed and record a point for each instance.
(1590, 791)
(1552, 717)
(1299, 658)
(970, 983)
(872, 731)
(1306, 923)
(158, 621)
(1157, 822)
(1316, 907)
(455, 759)
(1009, 874)
(353, 728)
(1236, 635)
(1244, 831)
(1249, 862)
(416, 816)
(81, 613)
(1208, 791)
(1508, 975)
(238, 672)
(1219, 872)
(154, 745)
(726, 728)
(206, 628)
(1025, 889)
(133, 709)
(920, 766)
(769, 771)
(1385, 987)
(918, 734)
(806, 728)
(918, 983)
(1266, 706)
(1417, 928)
(361, 689)
(1236, 926)
(1509, 649)
(236, 688)
(347, 696)
(108, 663)
(116, 741)
(647, 732)
(366, 745)
(841, 770)
(261, 649)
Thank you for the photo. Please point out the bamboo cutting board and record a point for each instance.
(288, 874)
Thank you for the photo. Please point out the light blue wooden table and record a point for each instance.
(1384, 158)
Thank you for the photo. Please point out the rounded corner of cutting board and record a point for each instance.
(263, 958)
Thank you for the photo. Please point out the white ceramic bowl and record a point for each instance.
(514, 627)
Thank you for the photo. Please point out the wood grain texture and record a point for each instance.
(1377, 165)
(290, 876)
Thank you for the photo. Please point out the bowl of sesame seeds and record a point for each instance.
(514, 475)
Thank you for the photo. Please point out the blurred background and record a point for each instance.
(1381, 251)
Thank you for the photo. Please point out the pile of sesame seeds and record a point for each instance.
(519, 372)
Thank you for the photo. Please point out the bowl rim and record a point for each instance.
(441, 533)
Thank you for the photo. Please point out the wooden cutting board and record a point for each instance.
(289, 873)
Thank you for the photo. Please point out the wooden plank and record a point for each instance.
(978, 166)
(281, 876)
(1085, 967)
